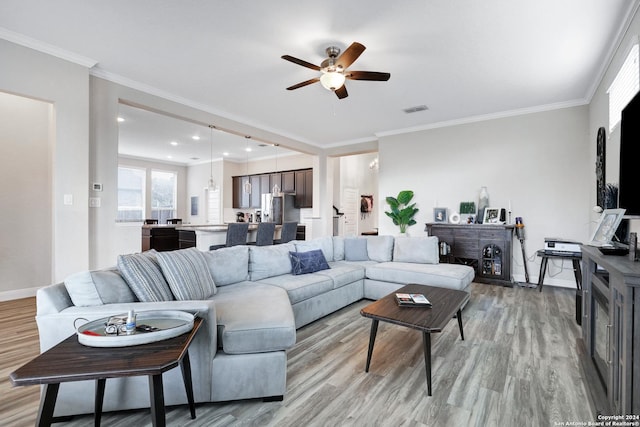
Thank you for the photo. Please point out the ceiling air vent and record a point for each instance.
(415, 109)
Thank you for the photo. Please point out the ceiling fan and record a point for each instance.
(334, 70)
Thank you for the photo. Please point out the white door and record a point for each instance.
(351, 209)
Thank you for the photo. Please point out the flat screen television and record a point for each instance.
(629, 183)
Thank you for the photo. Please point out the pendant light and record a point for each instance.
(276, 189)
(247, 185)
(212, 186)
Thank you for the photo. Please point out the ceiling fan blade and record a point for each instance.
(349, 56)
(341, 92)
(300, 62)
(305, 83)
(367, 75)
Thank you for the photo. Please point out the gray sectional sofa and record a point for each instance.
(251, 317)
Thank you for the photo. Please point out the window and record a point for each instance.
(131, 184)
(624, 87)
(163, 195)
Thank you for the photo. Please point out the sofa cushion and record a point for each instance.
(323, 243)
(338, 248)
(82, 290)
(422, 250)
(300, 288)
(144, 276)
(453, 276)
(355, 249)
(269, 261)
(308, 262)
(112, 287)
(343, 273)
(380, 248)
(228, 265)
(187, 273)
(254, 318)
(91, 288)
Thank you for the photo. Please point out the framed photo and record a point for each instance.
(439, 214)
(607, 226)
(491, 216)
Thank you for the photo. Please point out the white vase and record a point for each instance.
(483, 202)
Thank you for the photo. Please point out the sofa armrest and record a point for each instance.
(57, 326)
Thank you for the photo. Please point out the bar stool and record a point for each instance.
(237, 233)
(264, 236)
(288, 232)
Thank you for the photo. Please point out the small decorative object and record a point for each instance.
(483, 202)
(493, 216)
(439, 214)
(601, 151)
(467, 211)
(454, 218)
(402, 212)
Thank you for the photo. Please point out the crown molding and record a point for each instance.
(619, 38)
(47, 48)
(485, 117)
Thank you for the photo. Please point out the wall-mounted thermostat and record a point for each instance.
(97, 186)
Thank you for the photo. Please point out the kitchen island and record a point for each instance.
(169, 237)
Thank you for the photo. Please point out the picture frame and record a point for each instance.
(492, 216)
(607, 225)
(440, 215)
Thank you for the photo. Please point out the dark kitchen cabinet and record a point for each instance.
(304, 188)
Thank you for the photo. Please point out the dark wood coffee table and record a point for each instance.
(71, 361)
(446, 303)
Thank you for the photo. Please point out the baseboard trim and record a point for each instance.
(18, 294)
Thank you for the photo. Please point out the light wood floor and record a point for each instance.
(518, 366)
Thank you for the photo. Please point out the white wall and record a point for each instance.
(599, 116)
(37, 75)
(25, 194)
(539, 162)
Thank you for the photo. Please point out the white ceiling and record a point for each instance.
(149, 135)
(461, 58)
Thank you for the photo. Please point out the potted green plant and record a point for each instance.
(402, 212)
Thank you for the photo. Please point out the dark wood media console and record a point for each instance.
(611, 331)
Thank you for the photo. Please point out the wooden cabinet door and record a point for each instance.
(255, 191)
(288, 182)
(240, 197)
(265, 186)
(237, 192)
(304, 188)
(275, 178)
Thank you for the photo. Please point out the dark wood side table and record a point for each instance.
(445, 304)
(71, 361)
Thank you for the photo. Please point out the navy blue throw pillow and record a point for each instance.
(308, 262)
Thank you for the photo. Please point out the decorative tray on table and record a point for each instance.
(151, 326)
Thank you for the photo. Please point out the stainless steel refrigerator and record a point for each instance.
(280, 208)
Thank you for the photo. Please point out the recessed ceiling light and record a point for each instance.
(195, 138)
(120, 119)
(248, 149)
(174, 143)
(225, 153)
(169, 157)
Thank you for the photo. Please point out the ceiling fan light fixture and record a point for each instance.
(332, 80)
